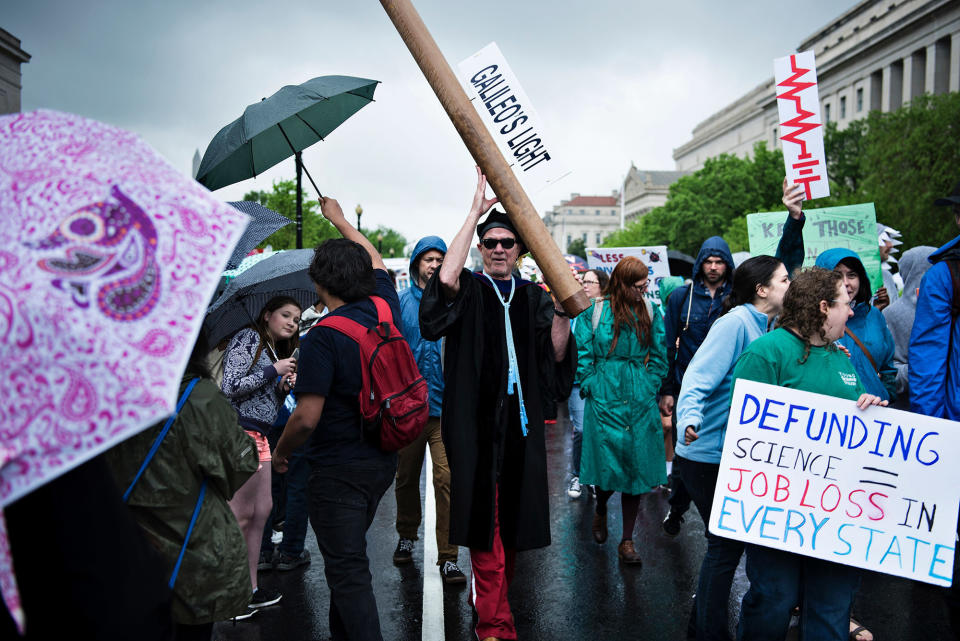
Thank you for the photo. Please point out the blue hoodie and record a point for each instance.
(870, 327)
(426, 353)
(704, 399)
(701, 312)
(935, 367)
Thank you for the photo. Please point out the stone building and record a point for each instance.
(589, 218)
(878, 55)
(646, 189)
(11, 57)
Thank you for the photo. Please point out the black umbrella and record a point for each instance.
(680, 264)
(283, 273)
(263, 222)
(281, 126)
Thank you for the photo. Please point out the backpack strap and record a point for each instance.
(344, 325)
(186, 539)
(160, 437)
(384, 313)
(863, 348)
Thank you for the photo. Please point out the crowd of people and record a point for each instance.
(279, 423)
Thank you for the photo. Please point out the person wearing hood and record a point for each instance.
(899, 316)
(867, 337)
(424, 262)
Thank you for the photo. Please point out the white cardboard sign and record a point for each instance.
(801, 126)
(510, 118)
(813, 474)
(655, 258)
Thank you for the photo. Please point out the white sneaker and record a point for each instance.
(574, 490)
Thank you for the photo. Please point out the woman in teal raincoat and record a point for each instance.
(621, 361)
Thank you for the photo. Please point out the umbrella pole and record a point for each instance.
(299, 163)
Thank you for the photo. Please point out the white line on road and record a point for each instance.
(432, 584)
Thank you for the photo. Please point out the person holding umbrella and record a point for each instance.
(258, 371)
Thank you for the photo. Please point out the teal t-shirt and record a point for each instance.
(775, 359)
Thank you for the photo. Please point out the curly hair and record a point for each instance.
(344, 269)
(626, 311)
(801, 305)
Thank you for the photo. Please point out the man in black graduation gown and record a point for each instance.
(492, 427)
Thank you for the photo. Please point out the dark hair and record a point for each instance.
(603, 278)
(801, 304)
(343, 268)
(283, 348)
(197, 365)
(752, 273)
(856, 265)
(627, 312)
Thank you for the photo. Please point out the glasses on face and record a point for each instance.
(590, 282)
(640, 287)
(506, 243)
(849, 303)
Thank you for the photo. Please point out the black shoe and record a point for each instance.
(288, 562)
(268, 559)
(671, 524)
(404, 552)
(451, 574)
(263, 598)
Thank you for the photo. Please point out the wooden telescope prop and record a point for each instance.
(556, 270)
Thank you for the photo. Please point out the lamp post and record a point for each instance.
(359, 211)
(380, 244)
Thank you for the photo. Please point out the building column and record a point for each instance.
(907, 82)
(955, 62)
(885, 88)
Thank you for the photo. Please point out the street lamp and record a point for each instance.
(359, 211)
(380, 244)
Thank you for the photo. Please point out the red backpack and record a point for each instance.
(393, 396)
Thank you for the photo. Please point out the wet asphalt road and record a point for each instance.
(572, 590)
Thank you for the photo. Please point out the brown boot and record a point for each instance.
(600, 527)
(628, 555)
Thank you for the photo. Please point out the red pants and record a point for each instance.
(492, 574)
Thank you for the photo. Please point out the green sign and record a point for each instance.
(852, 226)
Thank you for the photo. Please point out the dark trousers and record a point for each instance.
(343, 502)
(722, 555)
(289, 505)
(680, 498)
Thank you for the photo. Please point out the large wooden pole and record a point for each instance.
(485, 153)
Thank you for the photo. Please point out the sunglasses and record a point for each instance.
(491, 243)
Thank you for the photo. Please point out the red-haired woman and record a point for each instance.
(621, 361)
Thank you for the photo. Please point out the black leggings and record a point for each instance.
(629, 504)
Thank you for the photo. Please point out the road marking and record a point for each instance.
(432, 583)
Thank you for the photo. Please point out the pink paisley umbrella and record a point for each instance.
(108, 258)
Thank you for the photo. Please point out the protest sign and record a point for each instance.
(851, 226)
(510, 118)
(801, 127)
(655, 258)
(813, 474)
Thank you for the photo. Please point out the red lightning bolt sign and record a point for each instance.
(799, 124)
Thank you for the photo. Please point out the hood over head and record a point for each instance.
(913, 265)
(424, 245)
(833, 257)
(714, 246)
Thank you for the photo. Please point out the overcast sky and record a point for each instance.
(614, 82)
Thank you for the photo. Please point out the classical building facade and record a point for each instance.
(11, 57)
(878, 55)
(645, 189)
(588, 218)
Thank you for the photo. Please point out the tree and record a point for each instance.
(389, 242)
(283, 200)
(578, 247)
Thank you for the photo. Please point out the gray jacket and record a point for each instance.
(899, 315)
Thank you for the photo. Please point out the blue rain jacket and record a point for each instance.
(426, 353)
(704, 399)
(935, 368)
(871, 328)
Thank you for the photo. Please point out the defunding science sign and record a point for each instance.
(510, 118)
(655, 258)
(801, 127)
(812, 474)
(851, 226)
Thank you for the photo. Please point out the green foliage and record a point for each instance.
(283, 200)
(736, 235)
(389, 242)
(910, 158)
(578, 248)
(707, 202)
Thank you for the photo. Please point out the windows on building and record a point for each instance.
(584, 237)
(843, 107)
(569, 239)
(599, 236)
(826, 113)
(859, 99)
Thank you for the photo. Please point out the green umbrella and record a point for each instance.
(281, 126)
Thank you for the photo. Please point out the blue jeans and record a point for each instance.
(343, 502)
(575, 408)
(781, 580)
(722, 556)
(289, 492)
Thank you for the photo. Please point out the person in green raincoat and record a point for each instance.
(621, 361)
